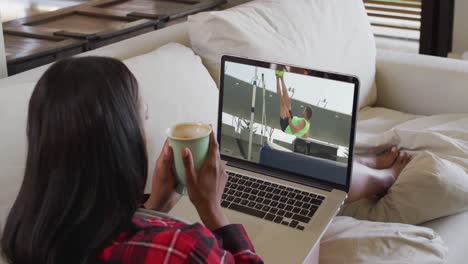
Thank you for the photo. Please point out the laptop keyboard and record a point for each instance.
(270, 201)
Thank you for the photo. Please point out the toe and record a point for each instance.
(406, 159)
(409, 158)
(401, 157)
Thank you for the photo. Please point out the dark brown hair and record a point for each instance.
(86, 165)
(308, 111)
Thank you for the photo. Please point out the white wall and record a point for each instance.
(3, 67)
(460, 31)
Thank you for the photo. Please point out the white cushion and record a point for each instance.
(14, 100)
(375, 120)
(332, 35)
(351, 241)
(177, 88)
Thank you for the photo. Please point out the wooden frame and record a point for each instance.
(37, 25)
(193, 6)
(21, 61)
(63, 43)
(76, 29)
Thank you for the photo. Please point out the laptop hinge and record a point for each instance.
(282, 176)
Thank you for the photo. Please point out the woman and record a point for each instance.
(292, 125)
(85, 175)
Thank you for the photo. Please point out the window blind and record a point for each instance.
(395, 18)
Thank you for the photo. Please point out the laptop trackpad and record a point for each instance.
(252, 225)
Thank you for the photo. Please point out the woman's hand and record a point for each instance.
(163, 195)
(206, 187)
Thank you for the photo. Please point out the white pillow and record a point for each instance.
(351, 241)
(332, 35)
(428, 188)
(14, 100)
(177, 88)
(435, 183)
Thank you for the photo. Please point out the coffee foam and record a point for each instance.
(189, 131)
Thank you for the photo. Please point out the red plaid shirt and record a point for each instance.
(163, 240)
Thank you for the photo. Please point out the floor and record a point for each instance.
(13, 9)
(21, 8)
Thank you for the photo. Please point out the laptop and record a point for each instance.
(286, 134)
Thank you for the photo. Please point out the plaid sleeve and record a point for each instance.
(161, 240)
(234, 239)
(233, 247)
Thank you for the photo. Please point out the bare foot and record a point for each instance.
(398, 166)
(380, 161)
(387, 177)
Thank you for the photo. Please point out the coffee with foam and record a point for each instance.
(186, 131)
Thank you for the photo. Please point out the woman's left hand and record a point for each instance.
(163, 195)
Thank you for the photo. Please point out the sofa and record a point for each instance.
(409, 83)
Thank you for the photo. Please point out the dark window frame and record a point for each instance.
(437, 27)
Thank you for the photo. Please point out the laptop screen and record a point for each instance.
(293, 120)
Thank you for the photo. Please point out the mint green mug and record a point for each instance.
(194, 136)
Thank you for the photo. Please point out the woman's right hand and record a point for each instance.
(206, 187)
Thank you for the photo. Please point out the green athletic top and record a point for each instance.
(295, 120)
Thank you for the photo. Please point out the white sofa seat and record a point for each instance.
(422, 85)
